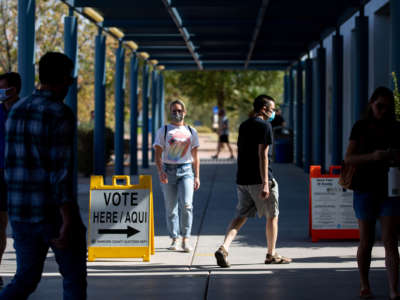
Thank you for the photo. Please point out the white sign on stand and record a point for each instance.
(119, 218)
(332, 206)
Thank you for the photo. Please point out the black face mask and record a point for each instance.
(176, 116)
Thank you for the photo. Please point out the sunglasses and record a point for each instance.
(177, 111)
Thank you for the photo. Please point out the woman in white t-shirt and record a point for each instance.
(178, 167)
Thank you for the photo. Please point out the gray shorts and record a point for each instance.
(250, 201)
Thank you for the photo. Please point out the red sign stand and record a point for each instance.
(332, 207)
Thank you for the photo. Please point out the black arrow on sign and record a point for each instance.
(129, 231)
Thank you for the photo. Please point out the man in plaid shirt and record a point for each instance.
(42, 207)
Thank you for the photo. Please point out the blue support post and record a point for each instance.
(99, 166)
(321, 107)
(71, 50)
(145, 116)
(337, 98)
(119, 109)
(308, 105)
(299, 115)
(162, 101)
(361, 66)
(26, 45)
(153, 109)
(134, 114)
(291, 98)
(285, 106)
(395, 26)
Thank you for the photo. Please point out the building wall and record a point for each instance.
(379, 62)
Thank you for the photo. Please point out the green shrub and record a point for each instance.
(396, 94)
(85, 148)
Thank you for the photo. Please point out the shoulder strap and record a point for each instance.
(190, 129)
(165, 133)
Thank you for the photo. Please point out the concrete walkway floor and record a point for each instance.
(324, 270)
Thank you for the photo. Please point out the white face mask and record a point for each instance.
(3, 94)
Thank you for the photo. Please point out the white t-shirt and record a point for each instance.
(177, 144)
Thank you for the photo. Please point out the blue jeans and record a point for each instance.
(179, 192)
(31, 243)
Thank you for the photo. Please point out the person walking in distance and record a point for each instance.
(223, 133)
(10, 86)
(42, 206)
(178, 166)
(257, 189)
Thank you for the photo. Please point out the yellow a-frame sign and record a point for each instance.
(121, 219)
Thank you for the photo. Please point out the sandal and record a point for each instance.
(366, 294)
(221, 255)
(277, 259)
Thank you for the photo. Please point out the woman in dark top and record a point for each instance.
(370, 150)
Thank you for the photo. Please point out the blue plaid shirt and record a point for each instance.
(38, 168)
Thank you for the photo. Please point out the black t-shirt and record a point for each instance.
(372, 135)
(253, 132)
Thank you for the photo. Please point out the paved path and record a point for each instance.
(323, 270)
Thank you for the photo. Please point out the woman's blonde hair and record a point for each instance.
(177, 101)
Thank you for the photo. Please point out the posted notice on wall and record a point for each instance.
(332, 206)
(119, 218)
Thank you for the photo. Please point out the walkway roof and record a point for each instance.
(223, 34)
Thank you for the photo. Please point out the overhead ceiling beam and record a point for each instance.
(208, 3)
(173, 12)
(154, 37)
(150, 48)
(134, 23)
(154, 23)
(260, 19)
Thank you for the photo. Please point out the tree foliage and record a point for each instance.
(232, 90)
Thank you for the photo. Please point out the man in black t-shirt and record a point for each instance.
(257, 189)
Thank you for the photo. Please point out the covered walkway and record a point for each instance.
(323, 270)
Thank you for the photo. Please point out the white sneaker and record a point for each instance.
(186, 246)
(174, 245)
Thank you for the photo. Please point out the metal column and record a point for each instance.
(299, 115)
(119, 109)
(284, 105)
(99, 166)
(291, 99)
(321, 107)
(361, 66)
(337, 98)
(134, 114)
(145, 116)
(26, 45)
(308, 105)
(395, 26)
(154, 104)
(162, 101)
(71, 50)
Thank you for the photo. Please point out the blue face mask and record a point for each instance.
(272, 117)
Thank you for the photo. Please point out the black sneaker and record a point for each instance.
(221, 254)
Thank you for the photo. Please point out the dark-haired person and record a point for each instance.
(257, 190)
(42, 208)
(370, 151)
(10, 86)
